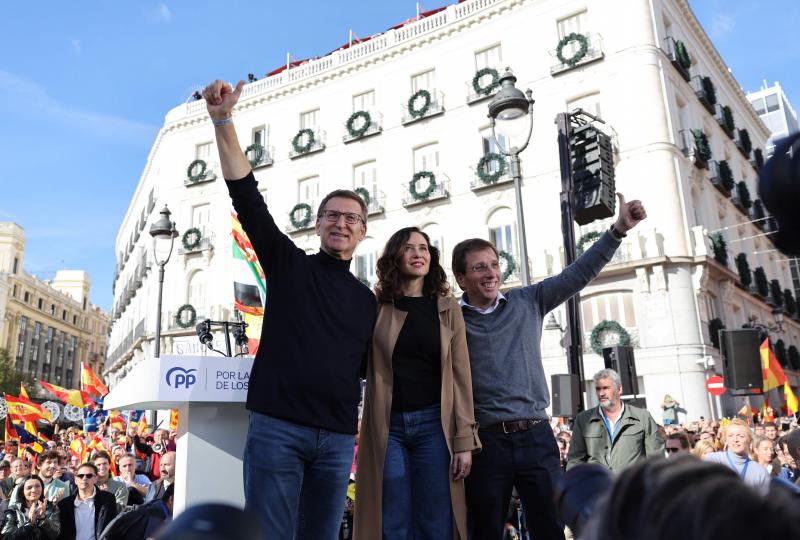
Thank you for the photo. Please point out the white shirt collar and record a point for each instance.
(483, 311)
(89, 499)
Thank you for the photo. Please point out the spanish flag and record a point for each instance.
(70, 397)
(78, 448)
(24, 410)
(791, 399)
(22, 391)
(771, 369)
(173, 419)
(115, 419)
(91, 383)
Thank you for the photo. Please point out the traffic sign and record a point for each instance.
(715, 385)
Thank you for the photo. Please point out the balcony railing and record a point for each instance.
(473, 96)
(716, 177)
(594, 52)
(206, 243)
(441, 190)
(674, 48)
(435, 108)
(724, 117)
(691, 150)
(318, 145)
(299, 220)
(704, 90)
(358, 127)
(203, 175)
(477, 185)
(264, 160)
(742, 140)
(376, 204)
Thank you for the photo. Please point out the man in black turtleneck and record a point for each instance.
(304, 387)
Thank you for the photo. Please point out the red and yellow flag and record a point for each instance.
(141, 426)
(11, 432)
(173, 419)
(78, 448)
(771, 369)
(91, 383)
(70, 397)
(115, 419)
(791, 399)
(24, 410)
(22, 391)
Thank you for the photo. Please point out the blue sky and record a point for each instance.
(84, 87)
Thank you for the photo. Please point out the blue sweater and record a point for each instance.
(508, 380)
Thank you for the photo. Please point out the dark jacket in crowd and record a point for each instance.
(17, 525)
(105, 509)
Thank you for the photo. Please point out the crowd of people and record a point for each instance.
(108, 484)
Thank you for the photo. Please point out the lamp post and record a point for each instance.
(162, 231)
(507, 109)
(777, 317)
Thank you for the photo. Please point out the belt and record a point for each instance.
(513, 426)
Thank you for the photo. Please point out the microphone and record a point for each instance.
(203, 330)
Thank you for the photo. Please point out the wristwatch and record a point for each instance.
(616, 233)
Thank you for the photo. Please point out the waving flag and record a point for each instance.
(115, 419)
(24, 410)
(26, 437)
(791, 399)
(771, 369)
(78, 448)
(11, 433)
(173, 419)
(70, 397)
(22, 391)
(249, 284)
(91, 383)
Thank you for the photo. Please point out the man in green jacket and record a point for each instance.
(614, 434)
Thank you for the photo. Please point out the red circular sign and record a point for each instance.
(715, 385)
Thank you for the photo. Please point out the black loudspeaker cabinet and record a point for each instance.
(621, 360)
(741, 366)
(565, 395)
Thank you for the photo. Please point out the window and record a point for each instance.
(14, 292)
(26, 297)
(53, 310)
(367, 261)
(423, 81)
(22, 341)
(501, 230)
(75, 320)
(489, 145)
(308, 190)
(309, 120)
(426, 158)
(48, 348)
(488, 58)
(197, 291)
(366, 175)
(772, 103)
(260, 135)
(574, 23)
(434, 232)
(615, 306)
(364, 101)
(16, 265)
(201, 216)
(758, 105)
(203, 151)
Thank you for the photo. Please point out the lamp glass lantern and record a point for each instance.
(508, 109)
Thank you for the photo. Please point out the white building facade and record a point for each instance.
(665, 287)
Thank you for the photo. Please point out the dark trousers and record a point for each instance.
(528, 460)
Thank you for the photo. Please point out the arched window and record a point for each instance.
(502, 230)
(434, 232)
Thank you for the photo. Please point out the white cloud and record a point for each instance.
(76, 46)
(162, 14)
(24, 94)
(721, 25)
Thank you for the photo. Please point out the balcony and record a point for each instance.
(204, 243)
(304, 144)
(440, 191)
(361, 125)
(487, 81)
(740, 198)
(695, 146)
(704, 90)
(742, 140)
(757, 161)
(575, 54)
(375, 202)
(721, 177)
(302, 218)
(478, 185)
(201, 171)
(724, 117)
(678, 56)
(423, 107)
(259, 156)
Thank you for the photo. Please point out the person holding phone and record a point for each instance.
(30, 514)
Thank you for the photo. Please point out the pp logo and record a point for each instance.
(178, 376)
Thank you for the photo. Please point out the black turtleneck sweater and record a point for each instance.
(318, 322)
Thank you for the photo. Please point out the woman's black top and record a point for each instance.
(416, 359)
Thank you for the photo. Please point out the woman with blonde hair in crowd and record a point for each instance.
(736, 456)
(763, 452)
(703, 447)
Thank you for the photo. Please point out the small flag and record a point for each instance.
(78, 448)
(70, 397)
(25, 410)
(771, 369)
(11, 433)
(91, 383)
(791, 399)
(141, 425)
(173, 420)
(22, 391)
(116, 420)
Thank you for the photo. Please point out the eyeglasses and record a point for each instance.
(483, 267)
(672, 449)
(332, 216)
(87, 476)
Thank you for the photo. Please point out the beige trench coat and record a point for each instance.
(458, 417)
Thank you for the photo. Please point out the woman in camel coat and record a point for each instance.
(418, 431)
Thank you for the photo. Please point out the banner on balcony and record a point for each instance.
(249, 285)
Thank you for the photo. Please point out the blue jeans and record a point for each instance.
(528, 460)
(416, 478)
(295, 478)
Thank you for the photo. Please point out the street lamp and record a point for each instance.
(777, 317)
(507, 111)
(162, 231)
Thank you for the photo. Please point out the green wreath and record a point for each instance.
(489, 88)
(419, 113)
(682, 55)
(579, 54)
(200, 175)
(364, 194)
(412, 186)
(608, 326)
(356, 133)
(586, 239)
(307, 215)
(259, 153)
(510, 265)
(302, 149)
(191, 239)
(483, 168)
(179, 319)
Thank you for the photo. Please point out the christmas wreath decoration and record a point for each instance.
(608, 326)
(364, 194)
(682, 55)
(303, 148)
(198, 175)
(305, 220)
(191, 239)
(424, 194)
(350, 125)
(483, 168)
(427, 101)
(258, 153)
(579, 54)
(587, 238)
(485, 90)
(182, 321)
(510, 265)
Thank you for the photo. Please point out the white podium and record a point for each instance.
(209, 392)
